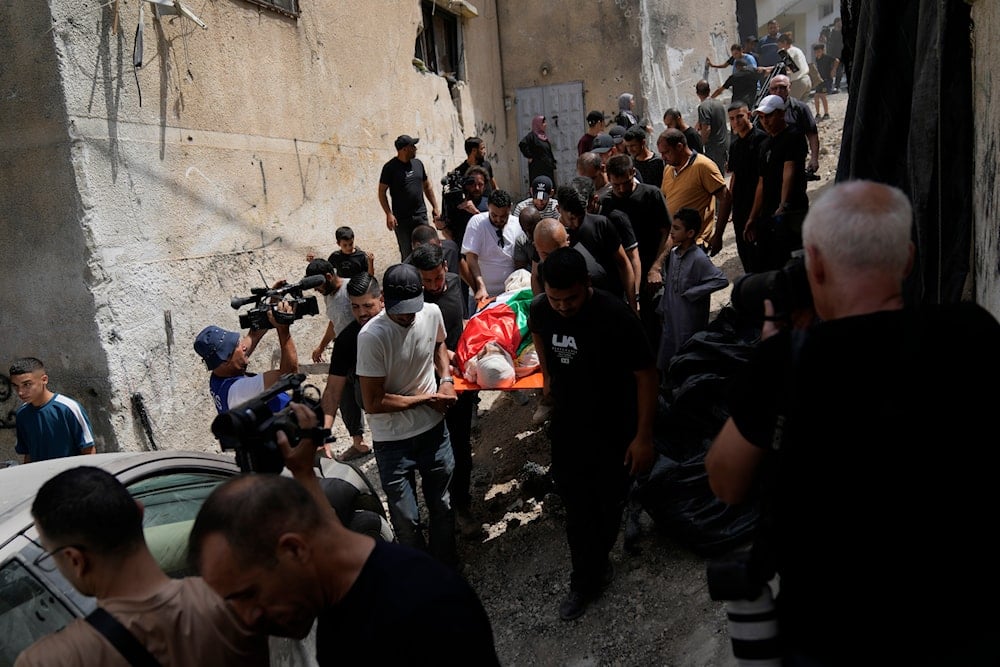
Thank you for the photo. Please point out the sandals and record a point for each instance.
(352, 453)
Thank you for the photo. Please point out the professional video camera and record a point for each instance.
(787, 288)
(251, 428)
(786, 60)
(453, 190)
(266, 299)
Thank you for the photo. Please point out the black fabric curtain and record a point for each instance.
(909, 124)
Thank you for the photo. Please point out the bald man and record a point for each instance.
(549, 236)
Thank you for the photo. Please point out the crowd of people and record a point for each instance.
(605, 274)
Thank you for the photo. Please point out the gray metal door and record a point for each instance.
(562, 105)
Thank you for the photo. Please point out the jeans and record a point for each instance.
(428, 453)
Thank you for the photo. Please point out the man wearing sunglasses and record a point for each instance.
(488, 246)
(91, 529)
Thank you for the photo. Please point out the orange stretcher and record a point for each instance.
(532, 381)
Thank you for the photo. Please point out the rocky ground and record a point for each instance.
(656, 612)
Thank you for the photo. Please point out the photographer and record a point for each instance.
(227, 355)
(458, 210)
(855, 435)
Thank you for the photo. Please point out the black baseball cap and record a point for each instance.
(595, 117)
(402, 290)
(405, 140)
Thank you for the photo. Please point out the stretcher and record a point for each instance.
(532, 381)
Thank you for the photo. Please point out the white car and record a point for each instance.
(172, 485)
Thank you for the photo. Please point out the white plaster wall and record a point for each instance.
(255, 139)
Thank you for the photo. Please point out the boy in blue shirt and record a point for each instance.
(49, 425)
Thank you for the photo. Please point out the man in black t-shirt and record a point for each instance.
(598, 235)
(588, 339)
(274, 548)
(366, 302)
(475, 151)
(865, 433)
(405, 180)
(775, 221)
(648, 164)
(744, 170)
(646, 208)
(443, 288)
(743, 83)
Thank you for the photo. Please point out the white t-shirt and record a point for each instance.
(338, 308)
(799, 58)
(495, 263)
(404, 357)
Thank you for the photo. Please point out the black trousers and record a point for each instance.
(459, 420)
(591, 478)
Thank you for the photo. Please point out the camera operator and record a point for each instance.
(855, 434)
(473, 201)
(227, 353)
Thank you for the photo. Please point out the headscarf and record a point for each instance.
(536, 127)
(624, 100)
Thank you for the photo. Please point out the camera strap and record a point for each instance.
(118, 635)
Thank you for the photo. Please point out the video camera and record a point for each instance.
(786, 60)
(251, 428)
(787, 288)
(256, 318)
(453, 190)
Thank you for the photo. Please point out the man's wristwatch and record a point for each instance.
(446, 378)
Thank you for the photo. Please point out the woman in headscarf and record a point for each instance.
(626, 117)
(538, 149)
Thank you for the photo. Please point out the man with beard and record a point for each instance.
(441, 287)
(365, 297)
(581, 334)
(274, 549)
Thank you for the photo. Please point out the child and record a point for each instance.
(825, 65)
(689, 278)
(350, 261)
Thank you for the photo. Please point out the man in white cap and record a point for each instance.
(780, 203)
(407, 388)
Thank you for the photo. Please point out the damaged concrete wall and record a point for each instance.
(677, 39)
(654, 50)
(50, 263)
(130, 227)
(986, 103)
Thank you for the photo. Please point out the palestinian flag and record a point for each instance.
(504, 320)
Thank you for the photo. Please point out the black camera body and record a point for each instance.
(251, 429)
(257, 318)
(787, 61)
(453, 188)
(787, 288)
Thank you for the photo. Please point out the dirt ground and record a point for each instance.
(657, 611)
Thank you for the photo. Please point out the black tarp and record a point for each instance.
(909, 123)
